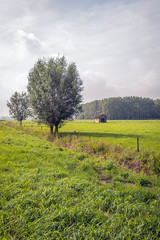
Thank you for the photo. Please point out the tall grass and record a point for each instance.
(50, 192)
(115, 140)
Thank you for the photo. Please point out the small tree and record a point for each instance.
(19, 106)
(54, 88)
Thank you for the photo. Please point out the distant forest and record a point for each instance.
(122, 108)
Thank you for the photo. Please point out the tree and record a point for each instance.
(157, 108)
(54, 88)
(19, 106)
(122, 108)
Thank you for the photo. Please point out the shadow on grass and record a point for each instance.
(99, 135)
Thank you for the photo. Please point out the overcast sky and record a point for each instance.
(114, 43)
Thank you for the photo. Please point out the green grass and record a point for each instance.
(49, 192)
(114, 140)
(118, 140)
(119, 132)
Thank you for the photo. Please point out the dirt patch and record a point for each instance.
(106, 181)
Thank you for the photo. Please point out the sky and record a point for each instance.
(114, 43)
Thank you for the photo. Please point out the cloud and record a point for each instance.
(97, 85)
(115, 44)
(150, 84)
(29, 40)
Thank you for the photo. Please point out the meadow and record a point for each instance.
(53, 192)
(119, 132)
(115, 140)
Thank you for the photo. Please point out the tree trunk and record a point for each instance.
(21, 123)
(51, 129)
(56, 130)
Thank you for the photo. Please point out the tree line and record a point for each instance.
(122, 108)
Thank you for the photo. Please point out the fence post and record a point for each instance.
(137, 144)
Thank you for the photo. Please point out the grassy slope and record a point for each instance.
(48, 192)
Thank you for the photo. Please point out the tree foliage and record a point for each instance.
(54, 88)
(19, 106)
(122, 108)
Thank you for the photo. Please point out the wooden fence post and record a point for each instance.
(137, 144)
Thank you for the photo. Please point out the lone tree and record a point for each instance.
(54, 88)
(19, 106)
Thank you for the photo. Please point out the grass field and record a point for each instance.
(114, 140)
(118, 132)
(50, 192)
(122, 132)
